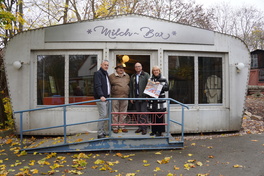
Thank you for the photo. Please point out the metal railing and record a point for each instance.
(65, 125)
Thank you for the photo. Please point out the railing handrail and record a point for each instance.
(98, 100)
(64, 125)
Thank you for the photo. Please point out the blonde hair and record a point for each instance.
(157, 67)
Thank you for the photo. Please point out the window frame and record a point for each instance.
(66, 55)
(196, 55)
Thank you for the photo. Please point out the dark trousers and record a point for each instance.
(157, 119)
(141, 106)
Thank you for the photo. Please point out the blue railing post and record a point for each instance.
(64, 124)
(182, 126)
(21, 129)
(110, 117)
(168, 119)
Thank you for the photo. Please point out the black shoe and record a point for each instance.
(138, 131)
(101, 136)
(158, 134)
(152, 134)
(144, 132)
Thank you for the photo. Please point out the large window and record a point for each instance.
(81, 71)
(52, 78)
(210, 79)
(181, 78)
(196, 79)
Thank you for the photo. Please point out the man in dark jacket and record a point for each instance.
(138, 84)
(102, 91)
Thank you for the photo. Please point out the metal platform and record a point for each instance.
(119, 141)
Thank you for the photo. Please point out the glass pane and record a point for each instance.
(81, 71)
(50, 79)
(210, 79)
(181, 78)
(261, 75)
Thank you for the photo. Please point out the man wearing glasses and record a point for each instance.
(138, 84)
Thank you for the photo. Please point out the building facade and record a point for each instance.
(206, 70)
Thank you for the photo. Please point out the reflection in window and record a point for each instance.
(181, 78)
(210, 80)
(50, 79)
(81, 71)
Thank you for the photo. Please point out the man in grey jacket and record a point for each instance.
(138, 84)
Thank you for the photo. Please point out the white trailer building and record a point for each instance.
(206, 70)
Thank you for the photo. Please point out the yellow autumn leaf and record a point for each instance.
(32, 163)
(159, 161)
(112, 171)
(78, 140)
(164, 161)
(176, 168)
(94, 167)
(22, 153)
(8, 141)
(198, 163)
(191, 161)
(237, 166)
(15, 143)
(169, 174)
(146, 165)
(145, 161)
(79, 173)
(119, 154)
(187, 166)
(102, 169)
(98, 161)
(1, 161)
(156, 169)
(130, 174)
(193, 144)
(190, 154)
(158, 153)
(34, 171)
(110, 163)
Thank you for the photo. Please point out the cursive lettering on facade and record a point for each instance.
(150, 33)
(145, 32)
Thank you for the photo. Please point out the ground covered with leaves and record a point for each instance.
(254, 123)
(225, 154)
(255, 105)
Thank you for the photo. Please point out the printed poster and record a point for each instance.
(153, 89)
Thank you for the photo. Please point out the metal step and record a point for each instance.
(119, 141)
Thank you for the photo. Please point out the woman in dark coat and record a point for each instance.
(158, 105)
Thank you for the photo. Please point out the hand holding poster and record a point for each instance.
(153, 89)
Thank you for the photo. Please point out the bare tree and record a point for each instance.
(241, 22)
(177, 11)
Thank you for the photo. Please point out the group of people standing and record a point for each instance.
(121, 85)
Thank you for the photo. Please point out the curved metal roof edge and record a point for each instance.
(128, 14)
